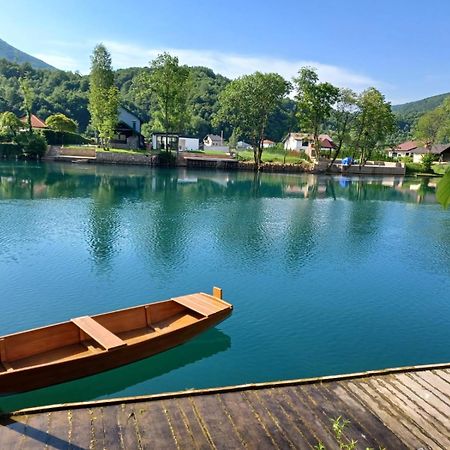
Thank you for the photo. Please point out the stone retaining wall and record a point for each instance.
(123, 158)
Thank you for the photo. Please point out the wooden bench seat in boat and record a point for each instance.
(201, 303)
(108, 340)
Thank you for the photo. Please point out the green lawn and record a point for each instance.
(273, 157)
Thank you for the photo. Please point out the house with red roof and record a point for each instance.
(36, 123)
(305, 142)
(267, 143)
(404, 149)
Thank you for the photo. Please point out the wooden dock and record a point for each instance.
(407, 408)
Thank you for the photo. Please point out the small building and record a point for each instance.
(36, 122)
(305, 142)
(188, 144)
(267, 143)
(215, 142)
(403, 149)
(441, 152)
(128, 130)
(165, 141)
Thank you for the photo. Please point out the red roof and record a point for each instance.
(35, 121)
(407, 146)
(326, 143)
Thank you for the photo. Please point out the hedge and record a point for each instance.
(63, 138)
(9, 149)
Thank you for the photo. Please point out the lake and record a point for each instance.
(328, 275)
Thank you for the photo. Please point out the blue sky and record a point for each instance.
(402, 47)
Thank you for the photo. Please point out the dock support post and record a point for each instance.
(217, 292)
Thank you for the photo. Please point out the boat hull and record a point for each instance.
(19, 381)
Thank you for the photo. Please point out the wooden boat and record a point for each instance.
(87, 345)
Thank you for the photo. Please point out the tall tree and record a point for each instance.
(373, 123)
(314, 103)
(342, 120)
(168, 84)
(248, 102)
(103, 95)
(28, 97)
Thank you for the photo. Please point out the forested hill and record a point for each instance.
(420, 106)
(67, 92)
(12, 54)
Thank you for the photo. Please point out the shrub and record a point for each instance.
(427, 161)
(167, 158)
(8, 149)
(33, 144)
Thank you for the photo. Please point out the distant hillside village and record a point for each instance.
(212, 114)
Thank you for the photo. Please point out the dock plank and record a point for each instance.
(397, 409)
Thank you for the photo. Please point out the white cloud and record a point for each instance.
(59, 61)
(230, 65)
(234, 65)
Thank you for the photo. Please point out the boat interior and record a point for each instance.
(85, 336)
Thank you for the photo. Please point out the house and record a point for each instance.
(128, 130)
(215, 142)
(36, 122)
(441, 151)
(267, 143)
(403, 149)
(305, 142)
(242, 145)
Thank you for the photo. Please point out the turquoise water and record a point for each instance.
(327, 275)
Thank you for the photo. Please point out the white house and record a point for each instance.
(305, 142)
(215, 142)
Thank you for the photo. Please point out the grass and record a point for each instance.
(440, 169)
(269, 156)
(100, 149)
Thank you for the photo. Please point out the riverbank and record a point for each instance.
(216, 161)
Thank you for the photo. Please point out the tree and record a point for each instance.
(342, 118)
(103, 95)
(314, 103)
(247, 103)
(10, 123)
(60, 122)
(373, 123)
(434, 126)
(168, 84)
(28, 97)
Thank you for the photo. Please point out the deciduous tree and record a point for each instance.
(315, 101)
(342, 118)
(10, 123)
(61, 122)
(247, 103)
(168, 84)
(103, 95)
(373, 123)
(28, 97)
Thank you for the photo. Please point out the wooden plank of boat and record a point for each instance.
(91, 344)
(104, 337)
(200, 303)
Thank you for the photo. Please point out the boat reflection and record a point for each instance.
(113, 381)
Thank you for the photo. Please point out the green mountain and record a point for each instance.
(12, 54)
(420, 106)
